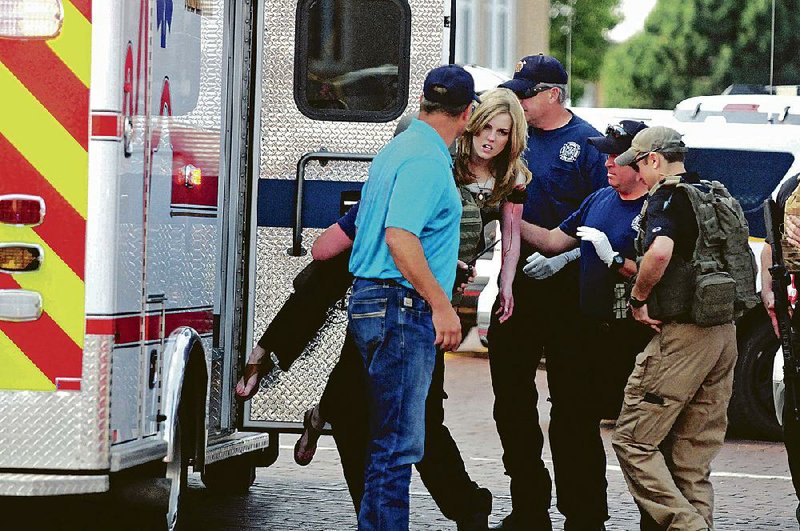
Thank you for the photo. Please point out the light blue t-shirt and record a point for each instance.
(410, 186)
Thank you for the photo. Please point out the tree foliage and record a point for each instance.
(699, 47)
(590, 22)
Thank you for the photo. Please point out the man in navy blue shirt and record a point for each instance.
(605, 227)
(566, 169)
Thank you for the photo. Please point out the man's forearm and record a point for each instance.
(654, 263)
(406, 250)
(547, 241)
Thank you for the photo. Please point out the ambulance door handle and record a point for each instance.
(323, 156)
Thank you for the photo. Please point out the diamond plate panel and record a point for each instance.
(50, 485)
(182, 260)
(286, 395)
(126, 375)
(64, 429)
(215, 390)
(286, 134)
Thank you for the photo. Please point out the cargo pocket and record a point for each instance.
(654, 421)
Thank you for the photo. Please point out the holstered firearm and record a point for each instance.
(780, 285)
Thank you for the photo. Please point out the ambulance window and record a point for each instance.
(352, 59)
(750, 176)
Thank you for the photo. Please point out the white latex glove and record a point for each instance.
(600, 241)
(540, 266)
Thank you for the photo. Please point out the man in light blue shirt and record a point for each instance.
(404, 260)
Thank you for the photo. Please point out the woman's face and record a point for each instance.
(490, 142)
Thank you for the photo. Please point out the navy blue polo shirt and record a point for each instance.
(565, 168)
(606, 211)
(348, 222)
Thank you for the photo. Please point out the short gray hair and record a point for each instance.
(562, 92)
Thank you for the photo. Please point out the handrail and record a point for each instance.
(322, 156)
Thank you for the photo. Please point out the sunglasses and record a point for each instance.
(533, 91)
(616, 131)
(635, 162)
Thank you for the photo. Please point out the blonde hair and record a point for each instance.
(508, 164)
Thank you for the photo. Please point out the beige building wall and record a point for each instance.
(532, 27)
(528, 22)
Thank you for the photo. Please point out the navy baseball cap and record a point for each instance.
(535, 70)
(449, 85)
(618, 137)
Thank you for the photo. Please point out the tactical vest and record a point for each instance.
(471, 228)
(718, 285)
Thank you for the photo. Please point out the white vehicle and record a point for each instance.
(750, 143)
(159, 159)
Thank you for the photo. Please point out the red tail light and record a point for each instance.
(21, 209)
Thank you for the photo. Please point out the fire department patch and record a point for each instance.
(635, 222)
(570, 152)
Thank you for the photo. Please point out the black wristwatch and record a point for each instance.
(636, 303)
(617, 262)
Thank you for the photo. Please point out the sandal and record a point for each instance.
(257, 370)
(304, 453)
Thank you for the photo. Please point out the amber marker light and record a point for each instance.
(20, 257)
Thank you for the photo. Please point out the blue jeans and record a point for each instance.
(393, 329)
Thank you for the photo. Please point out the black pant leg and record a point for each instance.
(515, 349)
(442, 469)
(791, 438)
(579, 459)
(344, 406)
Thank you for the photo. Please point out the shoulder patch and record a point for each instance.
(569, 152)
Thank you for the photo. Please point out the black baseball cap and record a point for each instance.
(535, 70)
(618, 137)
(449, 85)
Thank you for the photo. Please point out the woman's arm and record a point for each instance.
(332, 242)
(510, 222)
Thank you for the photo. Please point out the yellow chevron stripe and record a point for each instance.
(17, 371)
(62, 290)
(74, 45)
(43, 141)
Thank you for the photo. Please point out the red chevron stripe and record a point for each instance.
(51, 82)
(63, 229)
(85, 8)
(44, 342)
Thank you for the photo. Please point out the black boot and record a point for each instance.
(479, 519)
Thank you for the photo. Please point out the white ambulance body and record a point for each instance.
(151, 185)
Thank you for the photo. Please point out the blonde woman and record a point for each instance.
(492, 175)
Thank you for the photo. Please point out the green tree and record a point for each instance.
(699, 47)
(588, 22)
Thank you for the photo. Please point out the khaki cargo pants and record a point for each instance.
(673, 422)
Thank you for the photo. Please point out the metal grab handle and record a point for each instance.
(297, 226)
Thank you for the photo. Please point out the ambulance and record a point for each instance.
(164, 165)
